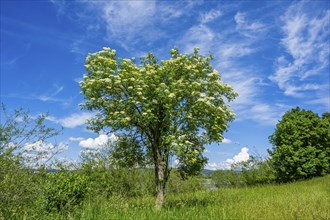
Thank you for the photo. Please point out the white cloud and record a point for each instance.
(306, 41)
(325, 101)
(265, 114)
(210, 16)
(225, 165)
(72, 121)
(226, 141)
(236, 50)
(137, 25)
(98, 142)
(39, 153)
(41, 146)
(248, 29)
(198, 36)
(129, 21)
(76, 138)
(51, 96)
(245, 84)
(242, 156)
(78, 80)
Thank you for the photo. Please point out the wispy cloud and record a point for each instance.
(129, 21)
(138, 25)
(245, 27)
(9, 61)
(264, 114)
(306, 41)
(210, 16)
(76, 138)
(72, 121)
(198, 36)
(50, 96)
(60, 6)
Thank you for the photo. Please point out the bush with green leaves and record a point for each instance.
(116, 177)
(256, 170)
(301, 145)
(178, 185)
(20, 183)
(227, 178)
(65, 189)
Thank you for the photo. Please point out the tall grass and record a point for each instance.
(301, 200)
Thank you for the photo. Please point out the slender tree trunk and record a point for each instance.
(160, 184)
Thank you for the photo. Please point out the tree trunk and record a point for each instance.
(160, 184)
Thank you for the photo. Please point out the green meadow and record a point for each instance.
(300, 200)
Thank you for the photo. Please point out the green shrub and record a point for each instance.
(120, 181)
(20, 190)
(177, 185)
(228, 178)
(65, 189)
(257, 171)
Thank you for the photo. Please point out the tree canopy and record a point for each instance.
(301, 145)
(166, 108)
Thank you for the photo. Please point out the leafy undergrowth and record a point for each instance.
(301, 200)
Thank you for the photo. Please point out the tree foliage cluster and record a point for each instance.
(159, 109)
(301, 150)
(301, 145)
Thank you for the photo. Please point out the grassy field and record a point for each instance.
(301, 200)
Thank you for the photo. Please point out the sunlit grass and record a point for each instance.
(300, 200)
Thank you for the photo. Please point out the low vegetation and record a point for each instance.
(307, 199)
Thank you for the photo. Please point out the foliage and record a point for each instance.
(19, 190)
(65, 189)
(177, 185)
(166, 108)
(227, 178)
(119, 177)
(21, 186)
(299, 200)
(120, 181)
(256, 170)
(301, 146)
(127, 153)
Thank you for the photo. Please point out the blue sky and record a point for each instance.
(274, 53)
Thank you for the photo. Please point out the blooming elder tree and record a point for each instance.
(168, 108)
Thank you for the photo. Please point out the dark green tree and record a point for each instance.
(301, 146)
